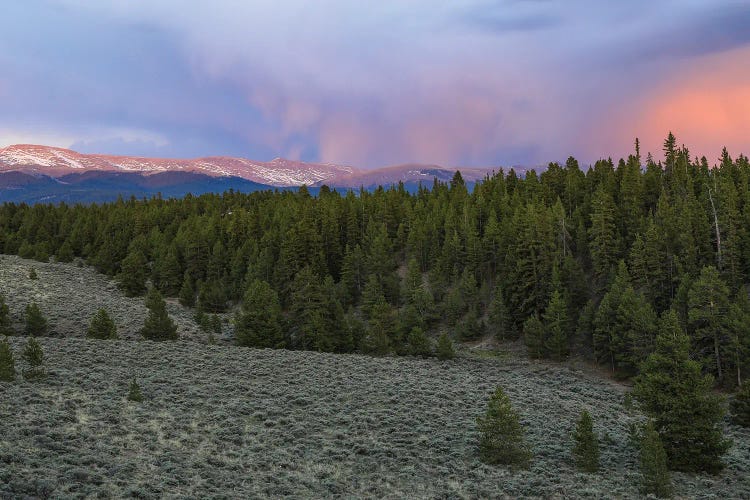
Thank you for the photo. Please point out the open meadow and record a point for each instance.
(228, 422)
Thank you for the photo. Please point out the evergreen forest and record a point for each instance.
(571, 261)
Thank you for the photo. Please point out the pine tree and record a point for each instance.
(7, 364)
(585, 444)
(679, 398)
(419, 344)
(445, 349)
(656, 479)
(167, 273)
(102, 326)
(708, 305)
(133, 274)
(212, 297)
(5, 325)
(187, 291)
(34, 358)
(158, 325)
(134, 392)
(533, 337)
(740, 407)
(499, 322)
(738, 325)
(502, 438)
(380, 330)
(556, 327)
(603, 238)
(258, 324)
(471, 326)
(36, 323)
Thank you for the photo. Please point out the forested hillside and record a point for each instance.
(571, 260)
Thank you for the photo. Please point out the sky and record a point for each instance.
(459, 83)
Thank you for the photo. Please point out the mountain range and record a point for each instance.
(35, 173)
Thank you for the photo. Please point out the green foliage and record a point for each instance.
(134, 392)
(258, 324)
(36, 323)
(419, 343)
(471, 327)
(655, 477)
(133, 274)
(533, 337)
(740, 406)
(708, 305)
(167, 273)
(187, 292)
(556, 327)
(494, 257)
(32, 274)
(158, 325)
(499, 321)
(444, 350)
(678, 397)
(7, 363)
(212, 297)
(502, 439)
(585, 444)
(102, 326)
(34, 358)
(603, 238)
(5, 325)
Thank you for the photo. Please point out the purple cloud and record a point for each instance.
(480, 83)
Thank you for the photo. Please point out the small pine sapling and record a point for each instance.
(419, 344)
(740, 406)
(134, 392)
(158, 325)
(7, 364)
(655, 479)
(34, 357)
(36, 323)
(102, 326)
(445, 349)
(502, 438)
(585, 444)
(5, 326)
(32, 274)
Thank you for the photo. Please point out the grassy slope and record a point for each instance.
(235, 422)
(69, 296)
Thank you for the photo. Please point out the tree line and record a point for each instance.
(572, 261)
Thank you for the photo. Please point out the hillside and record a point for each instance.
(69, 296)
(220, 420)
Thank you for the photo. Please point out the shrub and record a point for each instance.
(7, 364)
(502, 438)
(36, 323)
(655, 475)
(102, 326)
(741, 406)
(34, 358)
(32, 274)
(445, 349)
(585, 444)
(134, 392)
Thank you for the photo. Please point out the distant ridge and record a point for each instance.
(57, 162)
